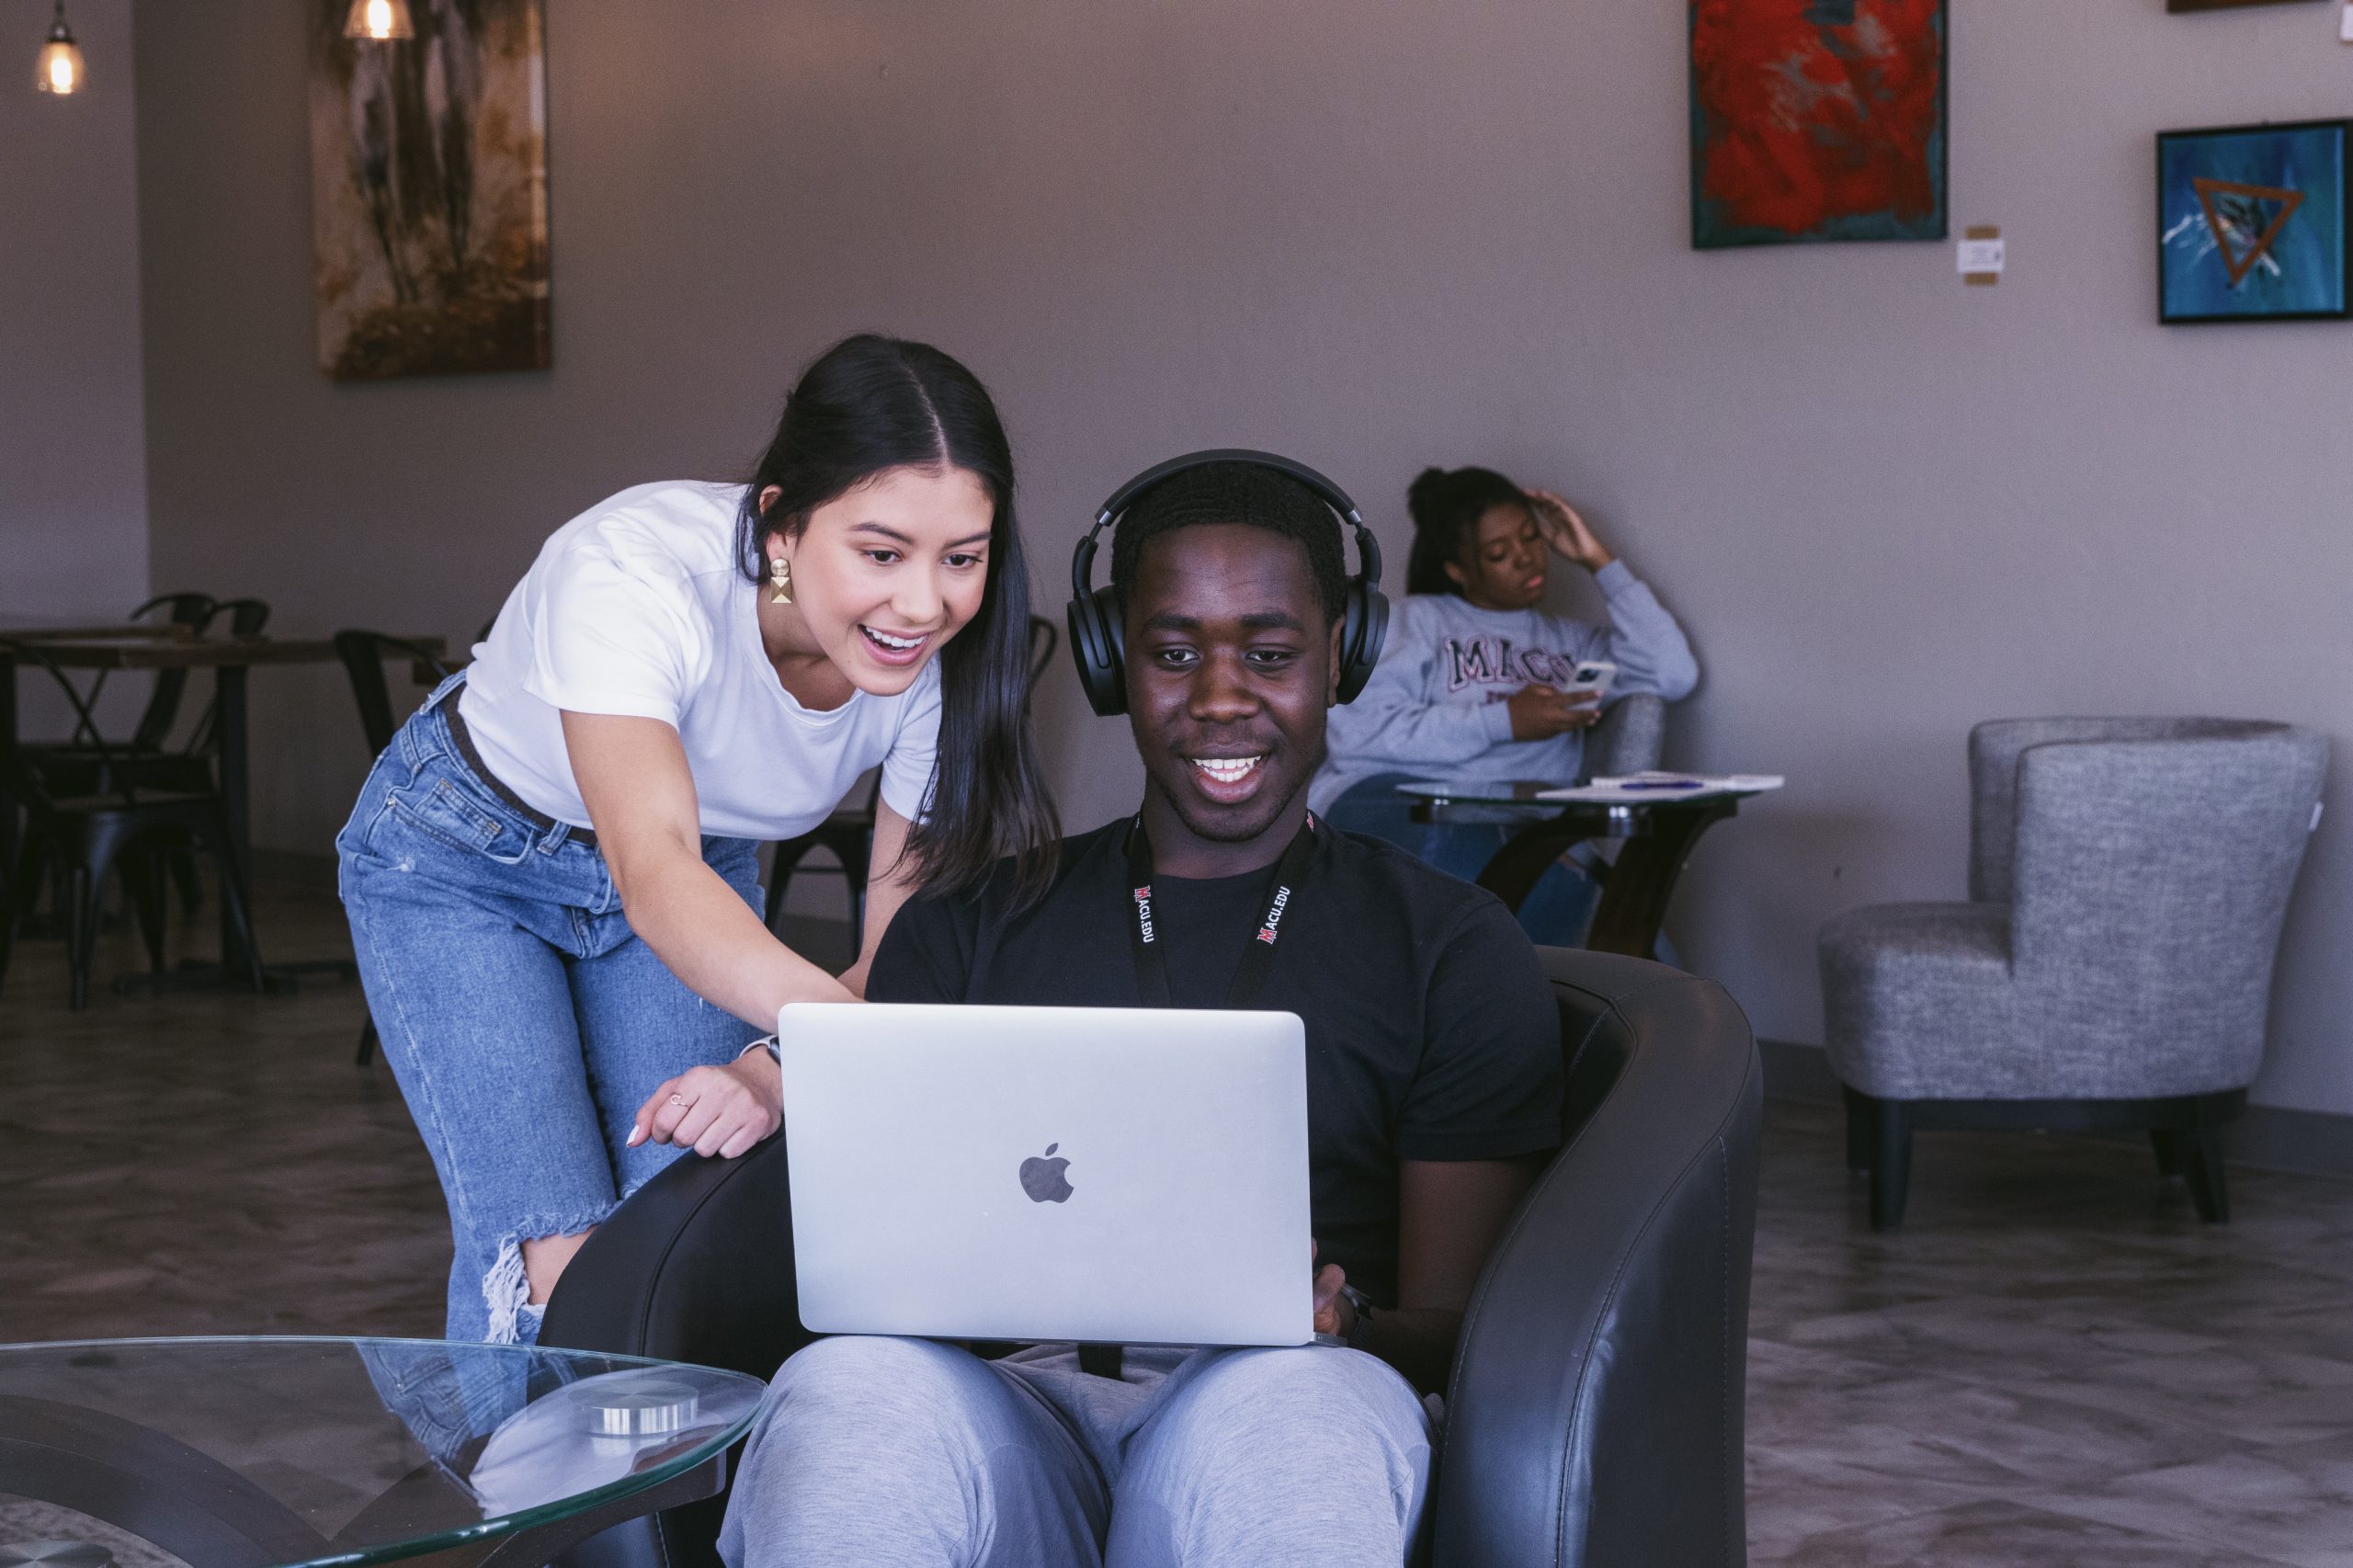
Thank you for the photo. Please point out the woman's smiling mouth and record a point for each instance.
(891, 647)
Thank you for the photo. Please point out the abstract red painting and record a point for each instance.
(1817, 120)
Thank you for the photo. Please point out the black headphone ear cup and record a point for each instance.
(1096, 648)
(1115, 641)
(1351, 639)
(1361, 640)
(1082, 647)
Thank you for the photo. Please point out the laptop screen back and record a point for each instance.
(1131, 1177)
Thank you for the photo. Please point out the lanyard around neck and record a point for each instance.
(1257, 959)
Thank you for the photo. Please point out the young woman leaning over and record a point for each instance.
(550, 873)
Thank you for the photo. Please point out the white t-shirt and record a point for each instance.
(637, 606)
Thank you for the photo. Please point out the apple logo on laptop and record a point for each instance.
(1042, 1178)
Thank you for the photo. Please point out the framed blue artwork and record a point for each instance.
(2251, 223)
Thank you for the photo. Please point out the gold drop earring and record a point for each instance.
(780, 580)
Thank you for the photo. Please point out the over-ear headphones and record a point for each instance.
(1099, 635)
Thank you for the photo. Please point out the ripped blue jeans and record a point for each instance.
(525, 1020)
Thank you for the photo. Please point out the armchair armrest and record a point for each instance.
(695, 1266)
(1629, 737)
(1596, 1415)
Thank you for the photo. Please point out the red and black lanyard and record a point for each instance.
(1257, 960)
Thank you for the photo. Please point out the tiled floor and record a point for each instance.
(2052, 1363)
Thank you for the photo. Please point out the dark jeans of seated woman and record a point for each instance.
(1558, 910)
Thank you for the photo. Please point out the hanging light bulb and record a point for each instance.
(63, 70)
(379, 19)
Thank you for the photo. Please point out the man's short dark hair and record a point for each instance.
(1235, 492)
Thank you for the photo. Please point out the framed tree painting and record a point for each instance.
(2251, 223)
(1817, 120)
(429, 190)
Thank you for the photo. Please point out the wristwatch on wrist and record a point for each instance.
(767, 1043)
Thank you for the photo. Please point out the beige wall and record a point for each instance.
(72, 475)
(1375, 233)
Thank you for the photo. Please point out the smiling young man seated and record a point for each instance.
(1433, 1089)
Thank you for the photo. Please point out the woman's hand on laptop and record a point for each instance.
(715, 1110)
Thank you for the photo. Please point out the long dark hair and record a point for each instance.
(1447, 507)
(870, 404)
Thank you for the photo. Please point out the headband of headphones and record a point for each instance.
(1098, 636)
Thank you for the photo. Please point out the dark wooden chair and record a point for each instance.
(363, 655)
(848, 835)
(153, 731)
(195, 765)
(148, 758)
(1043, 641)
(70, 766)
(247, 617)
(111, 824)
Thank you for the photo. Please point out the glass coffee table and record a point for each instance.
(272, 1452)
(1658, 828)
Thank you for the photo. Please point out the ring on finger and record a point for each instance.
(680, 1100)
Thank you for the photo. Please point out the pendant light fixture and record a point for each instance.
(63, 70)
(381, 20)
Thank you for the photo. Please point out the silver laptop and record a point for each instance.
(1124, 1175)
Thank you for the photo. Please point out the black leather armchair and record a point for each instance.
(1595, 1417)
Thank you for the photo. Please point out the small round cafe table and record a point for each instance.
(1657, 829)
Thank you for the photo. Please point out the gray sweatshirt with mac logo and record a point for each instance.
(1436, 706)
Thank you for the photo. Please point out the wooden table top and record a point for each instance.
(195, 653)
(39, 629)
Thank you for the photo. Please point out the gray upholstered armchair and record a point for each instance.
(1629, 738)
(2127, 882)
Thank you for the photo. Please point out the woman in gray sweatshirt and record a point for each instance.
(1473, 682)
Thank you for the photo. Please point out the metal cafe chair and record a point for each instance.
(94, 830)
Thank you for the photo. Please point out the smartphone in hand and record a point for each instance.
(1593, 676)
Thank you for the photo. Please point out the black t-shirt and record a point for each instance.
(1431, 1032)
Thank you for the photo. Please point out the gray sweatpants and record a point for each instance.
(903, 1452)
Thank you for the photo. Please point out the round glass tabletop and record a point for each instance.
(272, 1452)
